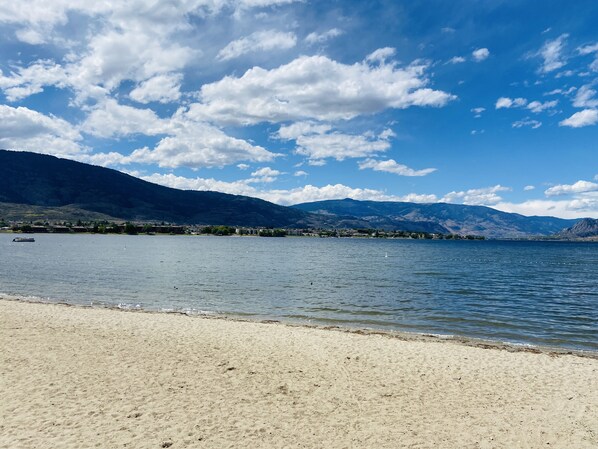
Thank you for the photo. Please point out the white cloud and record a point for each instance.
(30, 36)
(318, 141)
(315, 87)
(180, 182)
(534, 124)
(483, 196)
(563, 209)
(381, 55)
(30, 80)
(506, 102)
(318, 38)
(242, 166)
(585, 97)
(552, 55)
(561, 91)
(198, 144)
(110, 119)
(161, 88)
(300, 173)
(26, 130)
(310, 193)
(528, 188)
(587, 117)
(264, 175)
(302, 194)
(478, 112)
(116, 55)
(588, 49)
(258, 41)
(391, 166)
(480, 54)
(568, 189)
(536, 106)
(456, 60)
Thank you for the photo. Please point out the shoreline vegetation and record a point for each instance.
(147, 228)
(132, 228)
(85, 377)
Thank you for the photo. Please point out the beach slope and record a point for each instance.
(74, 377)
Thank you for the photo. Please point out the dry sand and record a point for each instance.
(73, 377)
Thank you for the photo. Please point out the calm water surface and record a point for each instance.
(542, 293)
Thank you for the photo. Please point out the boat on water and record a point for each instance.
(23, 239)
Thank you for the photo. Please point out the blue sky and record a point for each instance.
(475, 102)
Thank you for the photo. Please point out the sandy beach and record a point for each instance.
(74, 377)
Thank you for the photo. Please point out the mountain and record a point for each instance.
(588, 227)
(453, 218)
(40, 187)
(47, 181)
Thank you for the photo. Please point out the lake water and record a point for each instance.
(539, 293)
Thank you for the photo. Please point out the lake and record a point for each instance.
(537, 293)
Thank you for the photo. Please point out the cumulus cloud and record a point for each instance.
(381, 55)
(198, 144)
(264, 175)
(587, 117)
(320, 141)
(577, 208)
(161, 88)
(259, 41)
(300, 173)
(476, 197)
(478, 112)
(537, 106)
(552, 54)
(456, 60)
(302, 194)
(26, 81)
(319, 38)
(480, 54)
(569, 189)
(316, 87)
(111, 119)
(528, 188)
(391, 166)
(506, 102)
(27, 130)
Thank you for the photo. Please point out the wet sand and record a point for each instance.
(74, 377)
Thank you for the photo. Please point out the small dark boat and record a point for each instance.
(23, 239)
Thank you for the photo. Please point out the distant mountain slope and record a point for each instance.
(588, 227)
(41, 180)
(454, 218)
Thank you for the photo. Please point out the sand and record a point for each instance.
(73, 377)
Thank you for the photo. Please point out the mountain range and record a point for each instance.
(47, 187)
(439, 217)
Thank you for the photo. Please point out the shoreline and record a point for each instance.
(78, 377)
(357, 330)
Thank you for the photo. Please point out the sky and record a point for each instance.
(474, 102)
